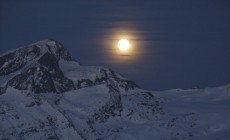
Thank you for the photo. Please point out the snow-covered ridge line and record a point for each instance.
(48, 45)
(46, 66)
(40, 43)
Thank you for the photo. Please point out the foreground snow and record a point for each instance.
(187, 114)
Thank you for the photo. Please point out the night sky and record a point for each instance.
(175, 43)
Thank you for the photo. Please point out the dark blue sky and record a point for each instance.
(177, 43)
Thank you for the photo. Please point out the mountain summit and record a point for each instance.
(46, 66)
(46, 95)
(35, 68)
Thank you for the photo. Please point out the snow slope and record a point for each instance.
(209, 108)
(46, 94)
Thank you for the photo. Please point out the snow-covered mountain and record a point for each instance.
(46, 94)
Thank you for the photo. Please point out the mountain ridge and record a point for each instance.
(46, 94)
(43, 60)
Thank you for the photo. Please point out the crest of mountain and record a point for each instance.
(46, 66)
(46, 94)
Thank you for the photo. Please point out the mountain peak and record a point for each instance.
(46, 66)
(46, 41)
(48, 44)
(35, 68)
(53, 47)
(41, 47)
(15, 59)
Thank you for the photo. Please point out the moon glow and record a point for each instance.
(123, 44)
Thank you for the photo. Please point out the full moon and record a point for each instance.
(123, 44)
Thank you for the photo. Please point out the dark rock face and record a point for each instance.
(40, 80)
(126, 84)
(84, 83)
(106, 78)
(41, 76)
(36, 78)
(59, 51)
(16, 60)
